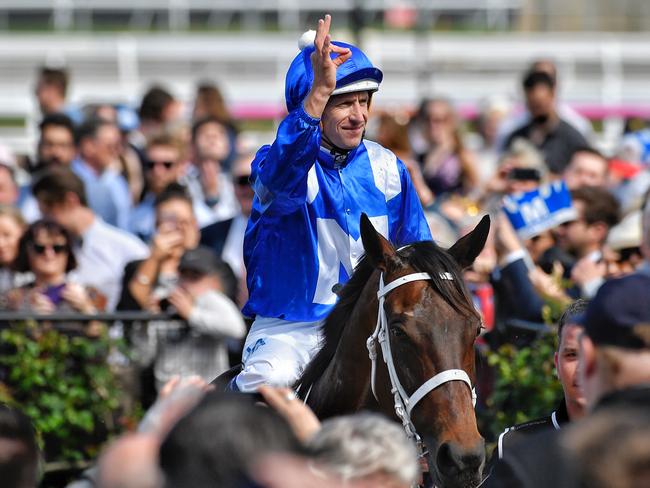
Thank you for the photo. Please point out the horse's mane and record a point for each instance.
(424, 256)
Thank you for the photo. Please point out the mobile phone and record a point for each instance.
(169, 220)
(596, 256)
(524, 174)
(54, 293)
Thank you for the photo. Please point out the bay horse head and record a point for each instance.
(431, 325)
(412, 307)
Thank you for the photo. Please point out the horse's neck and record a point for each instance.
(345, 384)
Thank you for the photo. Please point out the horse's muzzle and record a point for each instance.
(460, 466)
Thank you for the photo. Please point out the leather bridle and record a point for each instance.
(405, 403)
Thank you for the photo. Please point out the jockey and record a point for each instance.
(311, 186)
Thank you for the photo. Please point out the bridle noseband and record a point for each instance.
(405, 403)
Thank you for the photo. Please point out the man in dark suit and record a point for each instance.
(614, 374)
(572, 406)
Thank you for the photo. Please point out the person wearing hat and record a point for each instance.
(196, 345)
(613, 373)
(311, 186)
(624, 244)
(614, 359)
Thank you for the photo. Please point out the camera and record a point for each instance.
(524, 174)
(166, 306)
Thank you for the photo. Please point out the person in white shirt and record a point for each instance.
(206, 180)
(103, 250)
(197, 345)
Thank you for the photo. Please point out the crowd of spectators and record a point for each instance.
(145, 208)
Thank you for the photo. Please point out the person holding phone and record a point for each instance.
(187, 282)
(147, 282)
(46, 251)
(521, 169)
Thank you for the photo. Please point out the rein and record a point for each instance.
(405, 403)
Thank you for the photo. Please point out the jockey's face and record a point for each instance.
(344, 119)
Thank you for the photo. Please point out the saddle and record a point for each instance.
(222, 381)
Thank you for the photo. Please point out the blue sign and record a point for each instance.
(533, 212)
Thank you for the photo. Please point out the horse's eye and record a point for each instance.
(396, 330)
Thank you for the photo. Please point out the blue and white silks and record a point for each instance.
(303, 234)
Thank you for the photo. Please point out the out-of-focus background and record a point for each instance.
(127, 132)
(465, 49)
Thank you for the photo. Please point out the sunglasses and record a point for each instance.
(242, 180)
(167, 164)
(57, 248)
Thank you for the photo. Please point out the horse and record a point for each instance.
(413, 303)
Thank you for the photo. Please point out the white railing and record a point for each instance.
(74, 14)
(600, 70)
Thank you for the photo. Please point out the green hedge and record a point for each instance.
(525, 384)
(64, 384)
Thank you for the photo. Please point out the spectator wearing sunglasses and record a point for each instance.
(164, 165)
(102, 250)
(45, 250)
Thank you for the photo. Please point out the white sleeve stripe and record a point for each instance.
(385, 169)
(312, 185)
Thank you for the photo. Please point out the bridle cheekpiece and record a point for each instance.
(405, 403)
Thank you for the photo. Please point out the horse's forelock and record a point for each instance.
(428, 257)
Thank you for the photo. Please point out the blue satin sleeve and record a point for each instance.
(279, 171)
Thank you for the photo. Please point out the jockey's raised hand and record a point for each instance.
(324, 68)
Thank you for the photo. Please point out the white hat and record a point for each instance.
(627, 233)
(361, 85)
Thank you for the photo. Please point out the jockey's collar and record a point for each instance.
(335, 157)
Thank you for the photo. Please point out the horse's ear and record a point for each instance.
(377, 247)
(468, 247)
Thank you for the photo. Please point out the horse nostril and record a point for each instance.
(446, 460)
(453, 460)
